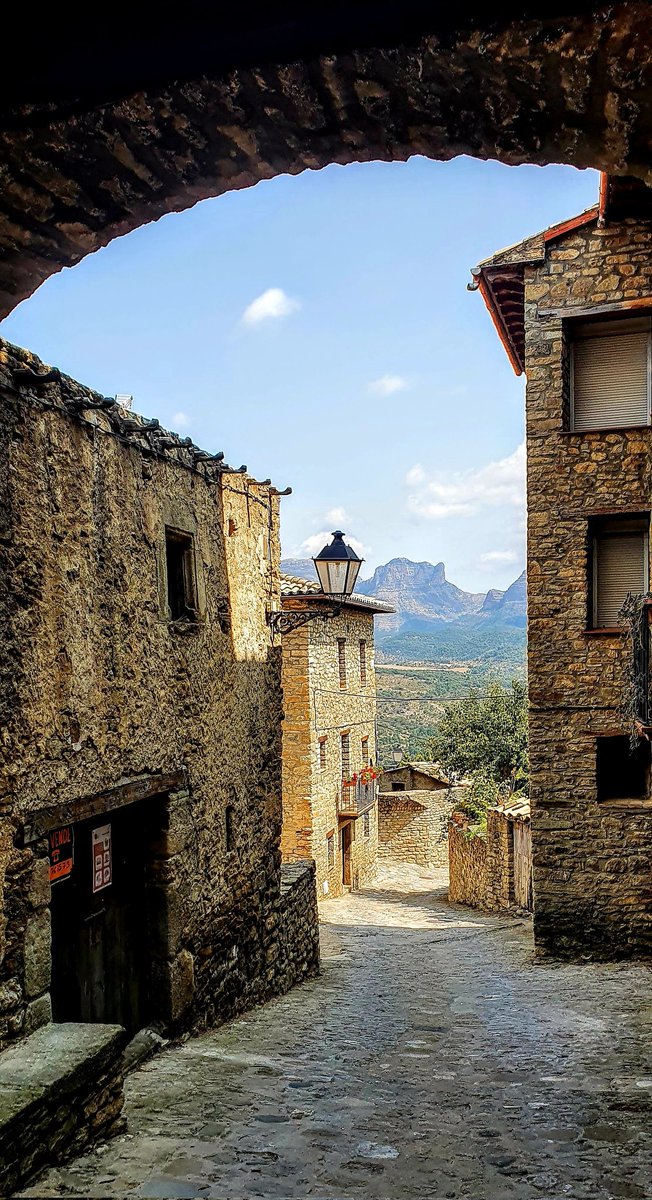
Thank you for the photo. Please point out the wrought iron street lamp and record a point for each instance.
(337, 567)
(397, 755)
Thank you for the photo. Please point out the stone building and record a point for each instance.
(140, 697)
(414, 805)
(329, 735)
(573, 307)
(415, 776)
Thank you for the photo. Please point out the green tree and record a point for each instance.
(485, 736)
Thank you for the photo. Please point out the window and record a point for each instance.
(330, 849)
(363, 663)
(619, 553)
(366, 824)
(322, 753)
(622, 773)
(397, 787)
(346, 756)
(229, 827)
(364, 746)
(181, 582)
(341, 660)
(610, 374)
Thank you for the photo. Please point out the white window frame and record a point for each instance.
(607, 328)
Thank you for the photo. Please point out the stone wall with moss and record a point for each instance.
(103, 694)
(591, 859)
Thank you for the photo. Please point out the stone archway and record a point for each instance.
(92, 148)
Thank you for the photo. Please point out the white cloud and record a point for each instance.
(313, 544)
(269, 306)
(388, 384)
(464, 493)
(415, 475)
(181, 420)
(337, 517)
(499, 556)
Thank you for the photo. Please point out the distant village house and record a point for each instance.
(330, 811)
(414, 805)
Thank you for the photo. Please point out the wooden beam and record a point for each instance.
(557, 231)
(38, 824)
(596, 310)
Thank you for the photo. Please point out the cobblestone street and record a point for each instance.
(432, 1058)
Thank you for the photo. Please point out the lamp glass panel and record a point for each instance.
(322, 571)
(354, 568)
(337, 577)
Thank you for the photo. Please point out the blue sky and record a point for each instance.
(318, 329)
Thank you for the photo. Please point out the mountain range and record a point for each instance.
(423, 596)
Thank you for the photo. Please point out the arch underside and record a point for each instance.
(77, 172)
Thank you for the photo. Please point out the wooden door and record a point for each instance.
(523, 864)
(347, 838)
(100, 959)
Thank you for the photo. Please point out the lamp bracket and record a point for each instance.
(286, 620)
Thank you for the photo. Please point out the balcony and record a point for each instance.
(356, 798)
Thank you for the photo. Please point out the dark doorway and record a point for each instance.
(347, 839)
(101, 943)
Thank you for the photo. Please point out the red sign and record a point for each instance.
(61, 851)
(102, 861)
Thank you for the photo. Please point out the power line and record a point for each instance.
(438, 699)
(392, 699)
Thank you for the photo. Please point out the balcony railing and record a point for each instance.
(356, 798)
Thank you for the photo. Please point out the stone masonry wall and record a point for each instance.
(500, 861)
(467, 858)
(195, 116)
(481, 869)
(316, 707)
(413, 826)
(298, 926)
(61, 1090)
(591, 859)
(99, 686)
(296, 836)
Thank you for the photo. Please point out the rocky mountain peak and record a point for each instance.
(423, 596)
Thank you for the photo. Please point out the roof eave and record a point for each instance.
(481, 275)
(371, 606)
(493, 308)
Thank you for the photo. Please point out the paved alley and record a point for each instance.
(432, 1058)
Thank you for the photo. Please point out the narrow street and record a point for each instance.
(432, 1058)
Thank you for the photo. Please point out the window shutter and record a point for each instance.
(621, 568)
(611, 380)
